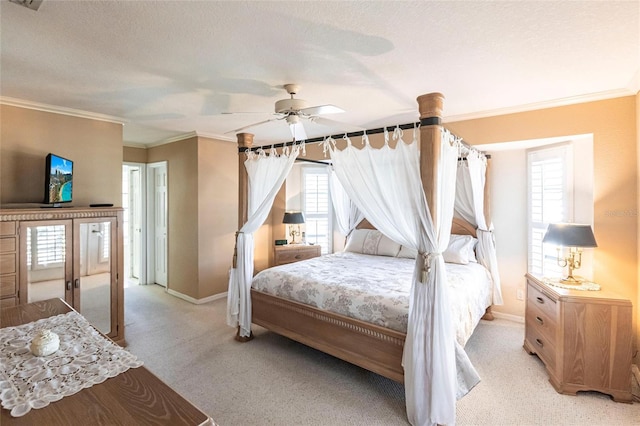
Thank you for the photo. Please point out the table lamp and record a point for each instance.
(293, 218)
(575, 237)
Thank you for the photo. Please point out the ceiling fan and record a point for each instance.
(294, 111)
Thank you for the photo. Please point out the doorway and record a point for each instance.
(134, 232)
(144, 199)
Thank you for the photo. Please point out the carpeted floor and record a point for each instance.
(275, 381)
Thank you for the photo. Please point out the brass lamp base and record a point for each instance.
(571, 280)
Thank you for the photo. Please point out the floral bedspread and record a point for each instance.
(375, 289)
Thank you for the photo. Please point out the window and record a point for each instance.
(316, 205)
(550, 181)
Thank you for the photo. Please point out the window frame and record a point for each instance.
(305, 171)
(547, 264)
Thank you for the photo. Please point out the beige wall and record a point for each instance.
(613, 125)
(27, 136)
(134, 155)
(217, 213)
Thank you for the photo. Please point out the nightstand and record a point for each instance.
(294, 253)
(582, 337)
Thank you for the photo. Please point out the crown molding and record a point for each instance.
(178, 138)
(172, 139)
(600, 96)
(134, 145)
(5, 100)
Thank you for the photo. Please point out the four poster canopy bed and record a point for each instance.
(389, 303)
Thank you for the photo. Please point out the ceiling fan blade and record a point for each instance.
(297, 131)
(251, 125)
(321, 109)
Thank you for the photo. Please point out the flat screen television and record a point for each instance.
(58, 180)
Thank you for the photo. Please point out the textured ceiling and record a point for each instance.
(167, 68)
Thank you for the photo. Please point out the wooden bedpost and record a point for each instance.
(245, 140)
(430, 107)
(488, 315)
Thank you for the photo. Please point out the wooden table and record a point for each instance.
(133, 397)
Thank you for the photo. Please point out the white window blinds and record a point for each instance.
(46, 245)
(550, 181)
(317, 207)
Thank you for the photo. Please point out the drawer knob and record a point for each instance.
(539, 342)
(539, 299)
(298, 256)
(539, 320)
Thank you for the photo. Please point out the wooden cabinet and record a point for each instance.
(582, 337)
(294, 253)
(74, 254)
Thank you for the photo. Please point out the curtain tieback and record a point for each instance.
(426, 264)
(235, 251)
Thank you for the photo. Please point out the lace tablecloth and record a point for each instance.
(85, 358)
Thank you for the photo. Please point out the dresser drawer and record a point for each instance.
(8, 285)
(8, 263)
(544, 303)
(7, 228)
(7, 244)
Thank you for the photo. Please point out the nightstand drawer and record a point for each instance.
(543, 324)
(542, 346)
(290, 254)
(544, 303)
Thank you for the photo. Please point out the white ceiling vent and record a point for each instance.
(31, 4)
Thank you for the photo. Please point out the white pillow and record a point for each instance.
(371, 241)
(460, 250)
(407, 252)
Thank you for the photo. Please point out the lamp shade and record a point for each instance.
(570, 235)
(293, 217)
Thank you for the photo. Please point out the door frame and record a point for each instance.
(151, 234)
(142, 279)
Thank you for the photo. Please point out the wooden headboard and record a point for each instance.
(459, 227)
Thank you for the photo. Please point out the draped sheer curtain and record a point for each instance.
(348, 216)
(469, 205)
(266, 174)
(386, 186)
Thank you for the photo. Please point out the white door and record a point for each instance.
(159, 194)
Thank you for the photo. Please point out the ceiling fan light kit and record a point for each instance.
(293, 110)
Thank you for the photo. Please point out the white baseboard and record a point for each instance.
(514, 318)
(197, 301)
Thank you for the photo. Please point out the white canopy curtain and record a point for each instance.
(386, 186)
(469, 205)
(348, 216)
(266, 175)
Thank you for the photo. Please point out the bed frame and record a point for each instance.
(372, 347)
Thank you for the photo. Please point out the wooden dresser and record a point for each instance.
(583, 338)
(294, 253)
